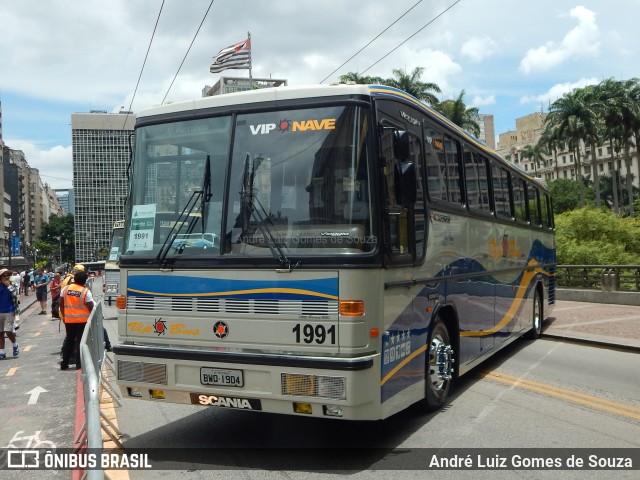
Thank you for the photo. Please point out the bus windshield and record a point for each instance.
(272, 184)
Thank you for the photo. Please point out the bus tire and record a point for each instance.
(536, 319)
(439, 367)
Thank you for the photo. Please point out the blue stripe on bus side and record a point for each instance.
(185, 286)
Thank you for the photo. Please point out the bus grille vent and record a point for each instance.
(239, 306)
(142, 372)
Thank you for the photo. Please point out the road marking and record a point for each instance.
(35, 393)
(37, 334)
(570, 395)
(27, 348)
(12, 371)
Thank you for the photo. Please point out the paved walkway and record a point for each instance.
(607, 325)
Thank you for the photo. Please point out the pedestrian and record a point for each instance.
(15, 279)
(9, 307)
(76, 304)
(41, 282)
(55, 286)
(26, 283)
(68, 278)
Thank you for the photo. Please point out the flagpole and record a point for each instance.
(250, 77)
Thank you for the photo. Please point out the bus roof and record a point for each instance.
(272, 94)
(258, 96)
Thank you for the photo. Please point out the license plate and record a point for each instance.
(220, 377)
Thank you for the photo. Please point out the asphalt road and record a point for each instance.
(543, 394)
(37, 399)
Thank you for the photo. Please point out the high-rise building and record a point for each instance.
(487, 131)
(100, 143)
(65, 198)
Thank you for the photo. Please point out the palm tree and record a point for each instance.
(633, 91)
(614, 111)
(551, 142)
(534, 153)
(458, 113)
(593, 135)
(357, 78)
(572, 116)
(413, 85)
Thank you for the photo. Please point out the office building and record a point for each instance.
(100, 143)
(65, 198)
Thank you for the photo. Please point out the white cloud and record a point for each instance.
(439, 67)
(54, 165)
(478, 48)
(581, 41)
(479, 101)
(558, 90)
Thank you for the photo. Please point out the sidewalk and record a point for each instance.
(607, 325)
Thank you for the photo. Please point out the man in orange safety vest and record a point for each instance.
(76, 304)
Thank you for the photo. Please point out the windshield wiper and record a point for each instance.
(179, 223)
(249, 201)
(203, 194)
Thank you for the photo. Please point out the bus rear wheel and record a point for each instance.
(439, 367)
(536, 319)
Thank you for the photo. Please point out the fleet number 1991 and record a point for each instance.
(309, 333)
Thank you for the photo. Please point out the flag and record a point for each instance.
(234, 57)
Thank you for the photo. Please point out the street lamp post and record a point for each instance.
(60, 247)
(9, 239)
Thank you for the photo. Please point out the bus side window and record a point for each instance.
(443, 166)
(436, 164)
(519, 200)
(534, 211)
(545, 206)
(501, 197)
(452, 149)
(477, 182)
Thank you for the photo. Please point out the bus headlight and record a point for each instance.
(320, 386)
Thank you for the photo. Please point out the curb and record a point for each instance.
(593, 340)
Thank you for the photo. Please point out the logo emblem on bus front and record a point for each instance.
(221, 329)
(160, 326)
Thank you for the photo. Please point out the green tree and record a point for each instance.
(565, 194)
(58, 237)
(357, 78)
(614, 109)
(458, 113)
(590, 236)
(572, 115)
(534, 153)
(413, 85)
(551, 143)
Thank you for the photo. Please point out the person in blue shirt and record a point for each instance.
(8, 308)
(41, 282)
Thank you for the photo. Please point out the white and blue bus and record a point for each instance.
(331, 251)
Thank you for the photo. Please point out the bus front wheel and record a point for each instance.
(439, 367)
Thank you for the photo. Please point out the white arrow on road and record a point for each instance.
(35, 393)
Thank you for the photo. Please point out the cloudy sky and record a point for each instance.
(59, 57)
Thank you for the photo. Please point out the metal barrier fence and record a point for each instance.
(608, 278)
(94, 360)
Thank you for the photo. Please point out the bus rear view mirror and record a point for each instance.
(405, 183)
